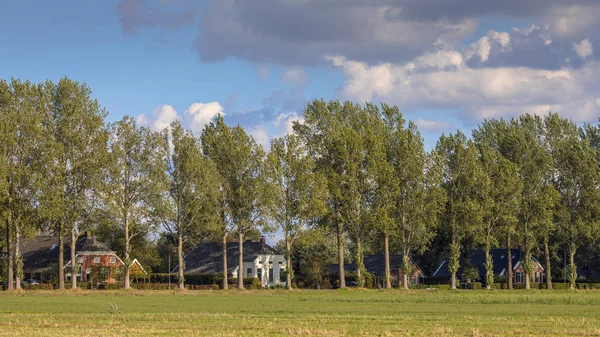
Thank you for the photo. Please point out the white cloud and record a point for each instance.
(200, 114)
(584, 48)
(432, 126)
(476, 92)
(481, 48)
(284, 122)
(260, 135)
(295, 76)
(439, 60)
(161, 118)
(364, 81)
(573, 21)
(195, 117)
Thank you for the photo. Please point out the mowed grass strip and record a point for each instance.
(300, 312)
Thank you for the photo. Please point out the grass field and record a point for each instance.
(312, 313)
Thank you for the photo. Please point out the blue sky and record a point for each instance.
(446, 67)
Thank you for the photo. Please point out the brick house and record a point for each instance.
(95, 261)
(499, 260)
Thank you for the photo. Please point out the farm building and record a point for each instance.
(375, 264)
(260, 260)
(94, 260)
(499, 260)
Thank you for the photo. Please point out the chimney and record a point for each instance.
(262, 239)
(88, 234)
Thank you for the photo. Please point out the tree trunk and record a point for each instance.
(572, 269)
(489, 268)
(509, 267)
(359, 263)
(405, 280)
(180, 281)
(61, 257)
(9, 249)
(126, 284)
(225, 285)
(73, 259)
(340, 237)
(241, 262)
(526, 270)
(388, 276)
(288, 246)
(548, 270)
(17, 265)
(453, 281)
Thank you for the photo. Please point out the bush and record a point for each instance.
(471, 286)
(113, 286)
(249, 282)
(153, 286)
(41, 286)
(204, 279)
(499, 285)
(560, 286)
(206, 287)
(438, 286)
(369, 281)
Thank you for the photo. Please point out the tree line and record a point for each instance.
(360, 173)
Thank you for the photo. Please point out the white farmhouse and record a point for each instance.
(260, 260)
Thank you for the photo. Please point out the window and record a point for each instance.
(259, 273)
(88, 271)
(415, 279)
(96, 259)
(538, 277)
(519, 277)
(249, 272)
(80, 259)
(270, 275)
(113, 259)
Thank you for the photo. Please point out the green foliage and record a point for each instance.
(297, 193)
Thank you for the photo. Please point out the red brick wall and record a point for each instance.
(88, 262)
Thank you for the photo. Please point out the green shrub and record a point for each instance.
(499, 285)
(439, 286)
(560, 286)
(113, 286)
(41, 286)
(369, 281)
(249, 282)
(153, 286)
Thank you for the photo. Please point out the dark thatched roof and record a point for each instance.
(208, 258)
(41, 252)
(375, 264)
(477, 260)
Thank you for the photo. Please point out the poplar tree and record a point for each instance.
(298, 193)
(134, 154)
(500, 198)
(576, 178)
(77, 155)
(416, 201)
(188, 189)
(462, 178)
(241, 164)
(21, 123)
(341, 137)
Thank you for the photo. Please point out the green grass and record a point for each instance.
(317, 313)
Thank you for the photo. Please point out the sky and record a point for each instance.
(447, 65)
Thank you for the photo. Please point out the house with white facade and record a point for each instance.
(260, 260)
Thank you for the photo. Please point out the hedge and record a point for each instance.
(41, 286)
